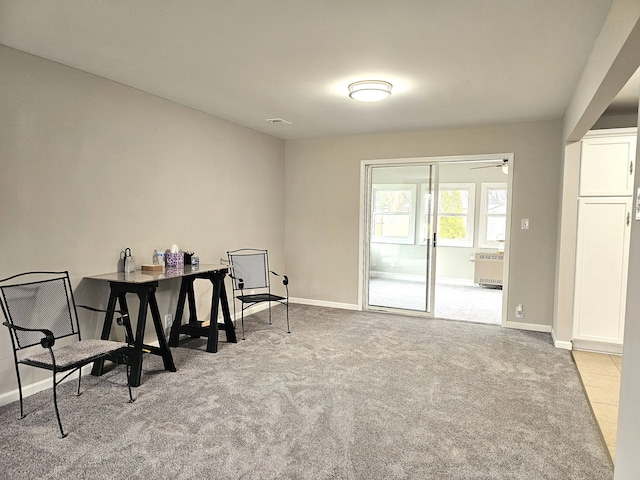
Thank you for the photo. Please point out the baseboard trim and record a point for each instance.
(532, 327)
(597, 347)
(323, 303)
(560, 343)
(33, 388)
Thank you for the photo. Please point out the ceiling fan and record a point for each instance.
(504, 165)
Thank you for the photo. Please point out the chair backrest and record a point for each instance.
(39, 300)
(251, 266)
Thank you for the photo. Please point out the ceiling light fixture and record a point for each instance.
(370, 90)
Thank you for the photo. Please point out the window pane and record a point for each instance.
(392, 225)
(454, 201)
(496, 228)
(454, 228)
(497, 201)
(394, 201)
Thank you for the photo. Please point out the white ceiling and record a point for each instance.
(452, 62)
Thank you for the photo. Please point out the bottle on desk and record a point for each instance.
(158, 256)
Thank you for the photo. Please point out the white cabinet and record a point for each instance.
(601, 269)
(602, 250)
(607, 163)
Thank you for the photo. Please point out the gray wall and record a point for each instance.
(323, 206)
(89, 167)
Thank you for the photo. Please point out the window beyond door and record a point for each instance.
(456, 211)
(493, 214)
(394, 213)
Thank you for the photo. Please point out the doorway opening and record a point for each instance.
(435, 236)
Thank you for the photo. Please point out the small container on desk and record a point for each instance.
(175, 260)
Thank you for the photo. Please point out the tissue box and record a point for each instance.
(174, 260)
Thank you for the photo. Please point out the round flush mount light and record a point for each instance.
(370, 90)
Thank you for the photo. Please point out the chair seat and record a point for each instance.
(260, 297)
(74, 355)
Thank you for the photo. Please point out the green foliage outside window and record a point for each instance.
(452, 227)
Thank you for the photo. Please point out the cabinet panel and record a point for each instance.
(602, 258)
(606, 166)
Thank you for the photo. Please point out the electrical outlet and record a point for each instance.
(520, 311)
(168, 320)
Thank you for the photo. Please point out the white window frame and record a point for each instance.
(410, 238)
(484, 215)
(471, 214)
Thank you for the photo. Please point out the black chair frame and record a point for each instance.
(25, 337)
(238, 283)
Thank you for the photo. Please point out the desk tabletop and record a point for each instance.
(145, 277)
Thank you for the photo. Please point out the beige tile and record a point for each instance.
(609, 432)
(610, 396)
(617, 359)
(600, 375)
(591, 357)
(599, 368)
(612, 452)
(605, 413)
(603, 381)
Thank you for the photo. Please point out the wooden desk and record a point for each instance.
(144, 285)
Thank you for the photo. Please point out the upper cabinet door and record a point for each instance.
(607, 166)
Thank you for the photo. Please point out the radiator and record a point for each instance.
(488, 268)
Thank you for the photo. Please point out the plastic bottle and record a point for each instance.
(158, 256)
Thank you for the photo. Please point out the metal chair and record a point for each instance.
(250, 271)
(39, 309)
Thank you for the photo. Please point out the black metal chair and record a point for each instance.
(39, 309)
(250, 271)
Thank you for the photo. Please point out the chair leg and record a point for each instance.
(288, 329)
(55, 406)
(242, 321)
(79, 380)
(22, 415)
(126, 362)
(235, 318)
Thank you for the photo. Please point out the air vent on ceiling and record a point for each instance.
(278, 121)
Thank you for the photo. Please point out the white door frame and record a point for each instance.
(426, 160)
(365, 250)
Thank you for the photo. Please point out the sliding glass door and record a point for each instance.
(400, 237)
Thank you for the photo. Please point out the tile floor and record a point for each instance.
(600, 375)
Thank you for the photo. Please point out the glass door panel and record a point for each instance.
(399, 235)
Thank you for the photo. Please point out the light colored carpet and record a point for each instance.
(470, 303)
(347, 395)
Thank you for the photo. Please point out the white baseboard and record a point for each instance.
(454, 281)
(597, 347)
(405, 277)
(33, 388)
(533, 327)
(323, 303)
(258, 307)
(561, 343)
